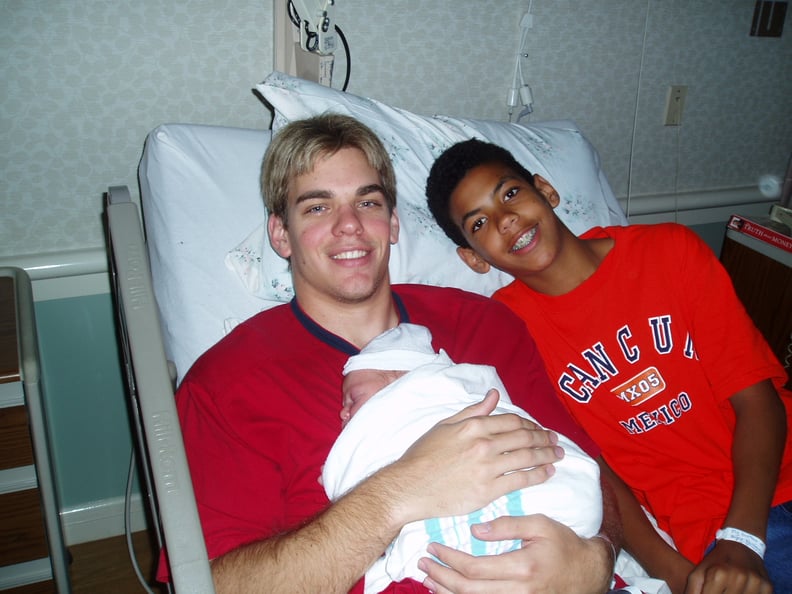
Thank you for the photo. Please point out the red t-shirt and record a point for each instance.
(645, 355)
(260, 410)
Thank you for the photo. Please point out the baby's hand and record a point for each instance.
(321, 472)
(345, 415)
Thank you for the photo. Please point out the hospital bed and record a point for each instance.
(193, 260)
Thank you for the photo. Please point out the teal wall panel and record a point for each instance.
(85, 398)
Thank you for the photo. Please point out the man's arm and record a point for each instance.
(759, 438)
(455, 468)
(552, 558)
(329, 554)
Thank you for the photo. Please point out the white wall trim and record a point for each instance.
(60, 275)
(59, 264)
(102, 519)
(697, 208)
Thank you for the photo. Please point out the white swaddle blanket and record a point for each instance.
(385, 427)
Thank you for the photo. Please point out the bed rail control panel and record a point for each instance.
(32, 551)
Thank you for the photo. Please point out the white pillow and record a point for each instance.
(199, 188)
(556, 150)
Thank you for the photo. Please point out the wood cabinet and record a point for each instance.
(33, 557)
(762, 277)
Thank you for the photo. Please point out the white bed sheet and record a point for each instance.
(200, 194)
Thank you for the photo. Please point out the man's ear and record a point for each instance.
(394, 227)
(473, 260)
(546, 189)
(279, 238)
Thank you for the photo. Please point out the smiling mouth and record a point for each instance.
(350, 255)
(524, 240)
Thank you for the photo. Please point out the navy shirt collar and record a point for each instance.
(334, 340)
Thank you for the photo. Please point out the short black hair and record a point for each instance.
(449, 170)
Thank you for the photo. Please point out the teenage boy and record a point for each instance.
(259, 411)
(653, 354)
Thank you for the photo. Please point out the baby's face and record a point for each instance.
(360, 385)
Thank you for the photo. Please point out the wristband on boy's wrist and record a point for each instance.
(746, 539)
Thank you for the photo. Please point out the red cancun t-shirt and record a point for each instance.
(260, 410)
(645, 354)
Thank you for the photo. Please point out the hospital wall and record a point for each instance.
(86, 80)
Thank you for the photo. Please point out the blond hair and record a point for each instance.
(295, 149)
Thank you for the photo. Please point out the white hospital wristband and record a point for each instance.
(744, 538)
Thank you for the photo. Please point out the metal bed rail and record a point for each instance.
(151, 393)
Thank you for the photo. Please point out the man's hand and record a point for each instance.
(730, 568)
(552, 560)
(469, 460)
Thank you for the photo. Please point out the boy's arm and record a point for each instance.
(758, 445)
(641, 539)
(759, 438)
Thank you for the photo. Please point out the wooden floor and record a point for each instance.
(105, 566)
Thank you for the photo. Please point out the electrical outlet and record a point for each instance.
(675, 103)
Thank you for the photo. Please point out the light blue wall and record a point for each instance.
(85, 398)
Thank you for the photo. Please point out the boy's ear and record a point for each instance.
(473, 260)
(546, 189)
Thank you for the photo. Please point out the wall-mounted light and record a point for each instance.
(314, 55)
(315, 18)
